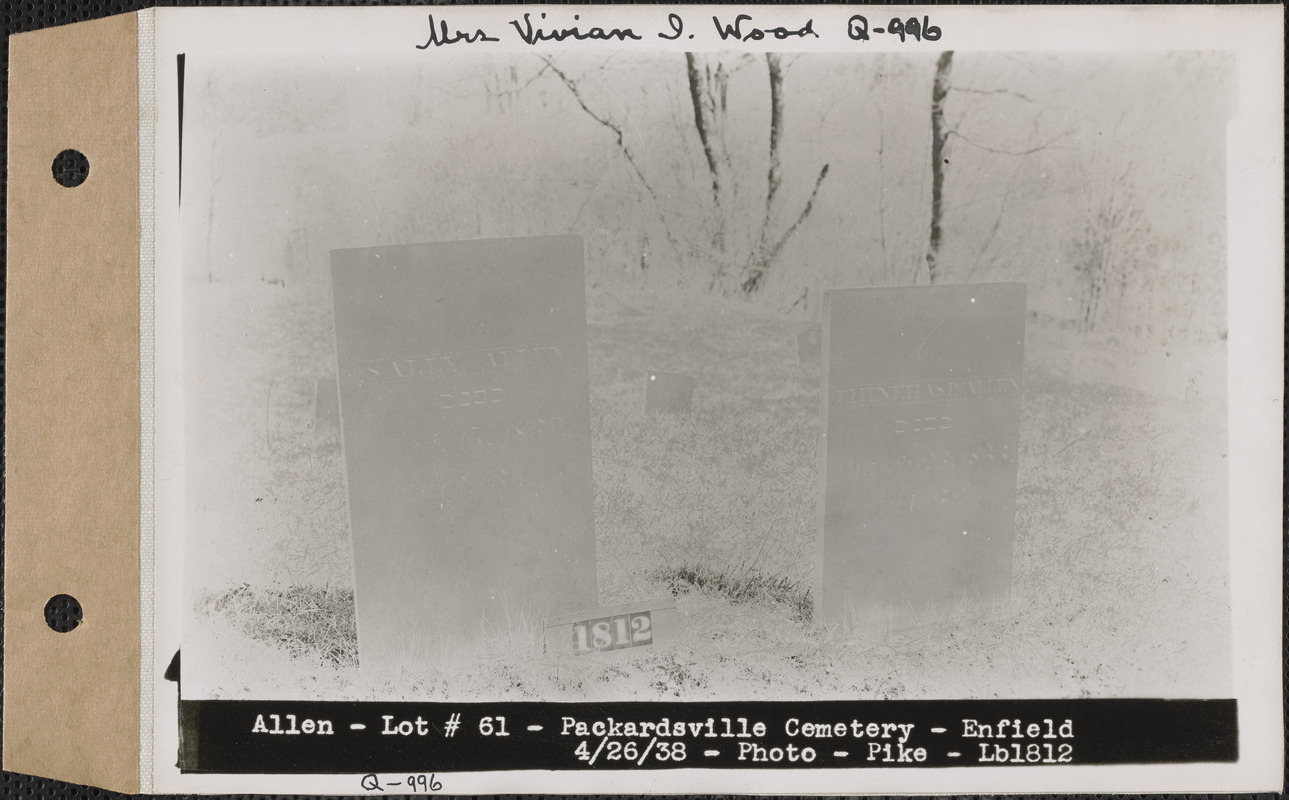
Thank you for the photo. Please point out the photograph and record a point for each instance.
(634, 374)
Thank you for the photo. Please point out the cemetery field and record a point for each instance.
(1119, 564)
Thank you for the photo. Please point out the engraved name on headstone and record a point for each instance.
(921, 408)
(465, 416)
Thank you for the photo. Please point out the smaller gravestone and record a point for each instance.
(612, 629)
(326, 407)
(921, 408)
(669, 393)
(808, 346)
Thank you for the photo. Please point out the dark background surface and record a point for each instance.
(19, 16)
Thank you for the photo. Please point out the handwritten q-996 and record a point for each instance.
(741, 28)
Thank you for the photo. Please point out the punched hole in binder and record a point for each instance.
(70, 168)
(63, 613)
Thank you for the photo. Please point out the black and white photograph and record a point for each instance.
(626, 373)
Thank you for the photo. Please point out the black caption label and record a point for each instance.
(245, 736)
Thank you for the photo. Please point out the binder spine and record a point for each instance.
(71, 699)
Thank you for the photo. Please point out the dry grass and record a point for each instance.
(305, 621)
(749, 586)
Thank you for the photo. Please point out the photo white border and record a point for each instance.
(1256, 304)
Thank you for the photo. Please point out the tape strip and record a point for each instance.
(147, 387)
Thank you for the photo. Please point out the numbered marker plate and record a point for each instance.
(614, 628)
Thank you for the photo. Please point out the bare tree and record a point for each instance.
(939, 91)
(620, 138)
(941, 88)
(743, 226)
(709, 96)
(1112, 237)
(708, 90)
(768, 244)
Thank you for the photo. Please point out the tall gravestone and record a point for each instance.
(921, 407)
(464, 407)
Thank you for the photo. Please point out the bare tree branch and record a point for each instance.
(1048, 145)
(1017, 95)
(881, 170)
(805, 212)
(500, 93)
(701, 123)
(622, 145)
(939, 90)
(775, 176)
(998, 221)
(757, 270)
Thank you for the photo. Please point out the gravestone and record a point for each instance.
(921, 406)
(669, 393)
(465, 421)
(808, 346)
(326, 407)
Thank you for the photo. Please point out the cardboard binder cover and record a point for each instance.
(71, 700)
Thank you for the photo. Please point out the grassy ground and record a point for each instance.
(1119, 569)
